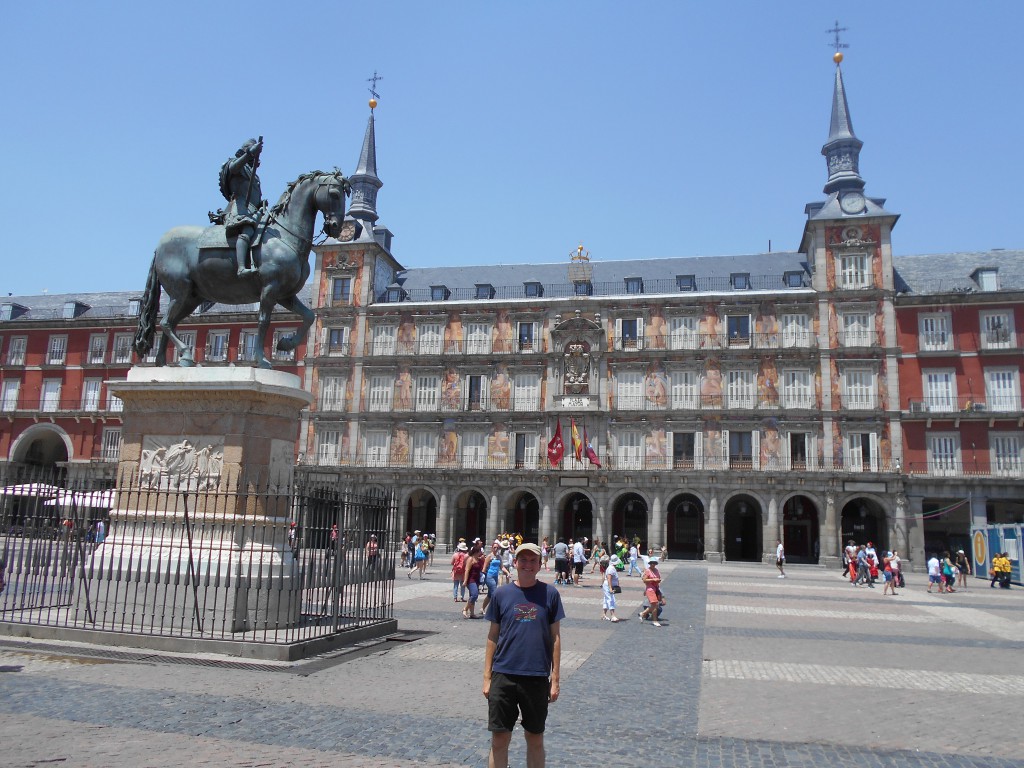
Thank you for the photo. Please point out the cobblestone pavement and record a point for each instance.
(749, 670)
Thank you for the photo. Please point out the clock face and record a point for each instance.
(348, 232)
(852, 202)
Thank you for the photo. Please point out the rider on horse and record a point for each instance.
(240, 186)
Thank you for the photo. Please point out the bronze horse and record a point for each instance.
(196, 264)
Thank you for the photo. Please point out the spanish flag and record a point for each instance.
(577, 444)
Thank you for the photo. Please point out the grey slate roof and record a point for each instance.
(952, 272)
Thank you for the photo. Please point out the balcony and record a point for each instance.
(963, 406)
(51, 408)
(1010, 467)
(697, 341)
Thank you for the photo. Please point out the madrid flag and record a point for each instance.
(589, 449)
(577, 444)
(556, 448)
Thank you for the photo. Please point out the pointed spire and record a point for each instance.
(364, 181)
(842, 150)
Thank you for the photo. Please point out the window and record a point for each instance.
(114, 403)
(376, 448)
(987, 279)
(9, 396)
(332, 393)
(794, 279)
(478, 338)
(1002, 392)
(801, 451)
(683, 332)
(527, 334)
(684, 389)
(525, 447)
(91, 394)
(110, 449)
(935, 333)
(629, 333)
(861, 451)
(247, 345)
(395, 294)
(217, 346)
(939, 390)
(439, 293)
(430, 336)
(629, 390)
(582, 288)
(16, 350)
(282, 354)
(484, 291)
(133, 307)
(70, 308)
(740, 389)
(796, 330)
(686, 282)
(424, 448)
(57, 351)
(6, 311)
(384, 339)
(526, 392)
(476, 392)
(997, 330)
(853, 271)
(474, 450)
(741, 449)
(123, 348)
(341, 291)
(856, 329)
(797, 391)
(380, 392)
(684, 446)
(740, 281)
(337, 342)
(151, 355)
(188, 338)
(944, 454)
(1006, 455)
(533, 290)
(49, 396)
(629, 451)
(738, 328)
(328, 447)
(634, 285)
(858, 388)
(428, 393)
(97, 348)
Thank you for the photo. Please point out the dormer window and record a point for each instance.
(987, 279)
(634, 285)
(484, 291)
(533, 290)
(133, 307)
(439, 293)
(583, 288)
(686, 282)
(740, 281)
(206, 306)
(794, 279)
(395, 293)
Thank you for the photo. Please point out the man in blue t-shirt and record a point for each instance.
(522, 659)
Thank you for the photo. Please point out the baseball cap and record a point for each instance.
(527, 547)
(653, 561)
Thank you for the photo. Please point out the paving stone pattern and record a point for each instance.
(747, 671)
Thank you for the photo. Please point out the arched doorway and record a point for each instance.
(470, 518)
(800, 530)
(686, 528)
(863, 520)
(577, 518)
(43, 447)
(421, 512)
(526, 517)
(743, 530)
(629, 519)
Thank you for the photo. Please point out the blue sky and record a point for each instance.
(506, 132)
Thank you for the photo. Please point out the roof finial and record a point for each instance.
(373, 88)
(838, 55)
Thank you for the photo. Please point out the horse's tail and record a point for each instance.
(149, 309)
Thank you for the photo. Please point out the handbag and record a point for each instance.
(616, 589)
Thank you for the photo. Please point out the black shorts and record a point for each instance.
(579, 568)
(512, 694)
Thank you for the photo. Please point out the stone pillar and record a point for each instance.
(713, 532)
(656, 533)
(493, 519)
(600, 524)
(979, 511)
(444, 523)
(546, 528)
(770, 532)
(830, 546)
(915, 535)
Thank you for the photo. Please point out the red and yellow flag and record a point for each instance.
(577, 444)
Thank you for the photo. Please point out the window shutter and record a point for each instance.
(698, 451)
(639, 333)
(670, 450)
(755, 448)
(724, 458)
(874, 451)
(618, 333)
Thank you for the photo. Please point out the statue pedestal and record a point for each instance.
(198, 539)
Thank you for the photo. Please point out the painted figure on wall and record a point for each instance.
(711, 384)
(350, 386)
(403, 389)
(833, 327)
(448, 450)
(767, 325)
(502, 334)
(451, 391)
(656, 385)
(770, 444)
(714, 444)
(883, 388)
(880, 323)
(885, 447)
(768, 384)
(501, 388)
(817, 388)
(400, 446)
(656, 330)
(406, 335)
(709, 328)
(453, 335)
(497, 445)
(837, 386)
(656, 449)
(837, 446)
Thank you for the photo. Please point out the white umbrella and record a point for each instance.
(40, 490)
(104, 499)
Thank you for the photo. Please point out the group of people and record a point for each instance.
(570, 559)
(864, 567)
(418, 552)
(475, 571)
(948, 573)
(1000, 570)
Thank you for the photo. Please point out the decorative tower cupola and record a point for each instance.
(365, 182)
(842, 150)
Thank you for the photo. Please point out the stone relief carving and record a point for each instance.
(576, 360)
(172, 463)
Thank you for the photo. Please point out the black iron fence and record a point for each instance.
(284, 563)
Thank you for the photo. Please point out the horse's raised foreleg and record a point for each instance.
(267, 301)
(292, 340)
(176, 312)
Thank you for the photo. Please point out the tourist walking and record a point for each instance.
(1001, 570)
(652, 591)
(634, 553)
(579, 559)
(935, 574)
(609, 587)
(372, 552)
(963, 564)
(561, 561)
(459, 572)
(522, 659)
(492, 570)
(888, 576)
(780, 559)
(474, 567)
(545, 552)
(597, 554)
(948, 572)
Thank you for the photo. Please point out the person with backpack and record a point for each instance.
(459, 572)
